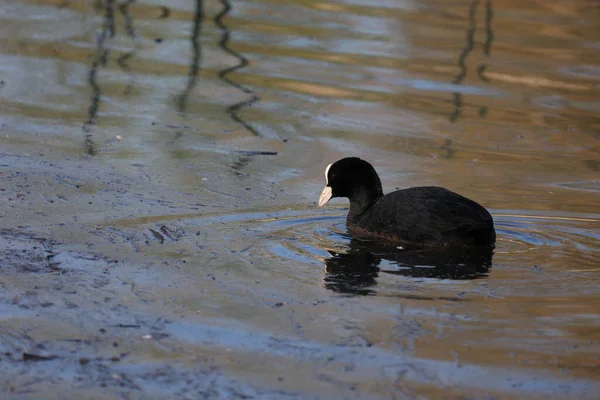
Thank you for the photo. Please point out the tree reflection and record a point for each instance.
(233, 110)
(181, 100)
(469, 45)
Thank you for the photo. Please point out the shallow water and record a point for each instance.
(160, 164)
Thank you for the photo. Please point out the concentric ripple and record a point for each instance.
(568, 235)
(299, 239)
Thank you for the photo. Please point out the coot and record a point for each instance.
(417, 217)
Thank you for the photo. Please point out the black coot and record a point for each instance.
(417, 217)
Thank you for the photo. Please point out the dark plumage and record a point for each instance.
(416, 217)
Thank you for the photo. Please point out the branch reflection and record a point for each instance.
(181, 101)
(470, 43)
(123, 60)
(356, 271)
(100, 59)
(233, 110)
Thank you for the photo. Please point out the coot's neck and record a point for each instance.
(361, 199)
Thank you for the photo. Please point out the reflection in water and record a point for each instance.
(109, 17)
(123, 60)
(181, 100)
(487, 47)
(470, 43)
(100, 59)
(355, 272)
(468, 49)
(124, 9)
(165, 12)
(243, 62)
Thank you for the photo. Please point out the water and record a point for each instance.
(160, 165)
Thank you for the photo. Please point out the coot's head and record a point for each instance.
(353, 178)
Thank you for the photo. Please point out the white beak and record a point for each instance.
(325, 196)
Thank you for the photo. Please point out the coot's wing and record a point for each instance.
(427, 215)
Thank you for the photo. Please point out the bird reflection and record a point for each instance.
(356, 271)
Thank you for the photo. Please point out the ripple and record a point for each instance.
(312, 237)
(584, 71)
(299, 239)
(519, 232)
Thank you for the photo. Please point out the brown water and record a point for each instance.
(160, 163)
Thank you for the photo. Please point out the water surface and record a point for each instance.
(160, 164)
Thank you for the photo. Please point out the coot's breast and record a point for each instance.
(425, 217)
